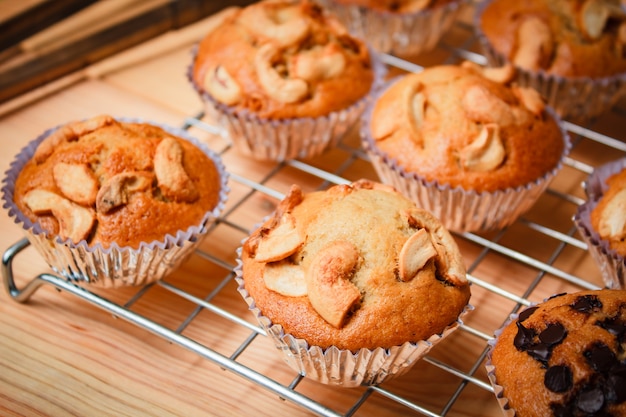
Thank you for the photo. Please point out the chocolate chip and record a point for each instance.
(601, 358)
(558, 378)
(524, 337)
(553, 334)
(590, 401)
(540, 352)
(615, 326)
(587, 303)
(526, 313)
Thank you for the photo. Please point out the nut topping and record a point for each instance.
(282, 25)
(330, 291)
(485, 152)
(75, 221)
(318, 63)
(594, 15)
(530, 98)
(280, 241)
(286, 90)
(170, 173)
(417, 250)
(285, 279)
(68, 133)
(77, 182)
(219, 83)
(116, 190)
(480, 105)
(535, 44)
(613, 219)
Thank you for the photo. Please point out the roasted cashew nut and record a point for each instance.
(318, 63)
(283, 25)
(75, 221)
(116, 190)
(171, 176)
(285, 90)
(221, 85)
(486, 152)
(76, 181)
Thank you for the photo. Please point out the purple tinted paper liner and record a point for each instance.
(577, 98)
(341, 367)
(284, 139)
(612, 265)
(404, 34)
(458, 209)
(114, 266)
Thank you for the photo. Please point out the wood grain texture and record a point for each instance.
(61, 356)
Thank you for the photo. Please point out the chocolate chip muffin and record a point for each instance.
(108, 186)
(283, 77)
(571, 51)
(465, 143)
(564, 357)
(356, 268)
(601, 221)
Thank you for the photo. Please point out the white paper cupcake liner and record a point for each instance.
(578, 99)
(283, 139)
(114, 266)
(612, 265)
(341, 367)
(498, 390)
(397, 33)
(458, 209)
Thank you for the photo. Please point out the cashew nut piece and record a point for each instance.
(283, 25)
(330, 291)
(318, 63)
(285, 278)
(219, 83)
(613, 219)
(535, 44)
(69, 133)
(116, 190)
(416, 251)
(280, 241)
(485, 152)
(172, 179)
(285, 90)
(480, 105)
(75, 221)
(530, 98)
(77, 182)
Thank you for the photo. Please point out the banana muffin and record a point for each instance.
(108, 185)
(563, 357)
(465, 143)
(283, 77)
(572, 51)
(354, 268)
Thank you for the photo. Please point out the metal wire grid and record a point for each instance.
(488, 244)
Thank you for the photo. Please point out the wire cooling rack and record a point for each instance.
(539, 255)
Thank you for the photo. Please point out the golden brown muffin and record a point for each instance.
(106, 182)
(565, 357)
(570, 38)
(465, 126)
(608, 218)
(355, 266)
(283, 59)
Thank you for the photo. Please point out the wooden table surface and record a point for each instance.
(62, 355)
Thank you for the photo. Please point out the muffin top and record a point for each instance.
(570, 38)
(283, 59)
(565, 357)
(355, 266)
(398, 6)
(608, 218)
(106, 181)
(465, 126)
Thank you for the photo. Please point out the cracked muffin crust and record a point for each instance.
(104, 181)
(564, 357)
(465, 126)
(283, 59)
(355, 266)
